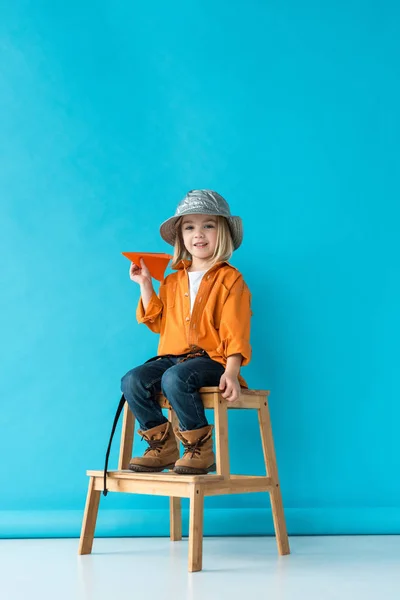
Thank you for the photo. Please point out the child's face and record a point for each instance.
(199, 234)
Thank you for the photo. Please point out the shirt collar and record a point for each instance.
(185, 264)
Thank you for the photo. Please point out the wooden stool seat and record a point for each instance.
(194, 487)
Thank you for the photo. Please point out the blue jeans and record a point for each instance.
(179, 383)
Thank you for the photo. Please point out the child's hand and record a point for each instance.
(140, 274)
(231, 385)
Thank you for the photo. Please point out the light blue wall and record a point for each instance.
(109, 113)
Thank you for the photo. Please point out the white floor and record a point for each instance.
(320, 568)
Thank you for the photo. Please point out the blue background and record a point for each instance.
(109, 113)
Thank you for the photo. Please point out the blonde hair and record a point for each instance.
(223, 247)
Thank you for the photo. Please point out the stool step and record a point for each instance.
(169, 476)
(171, 484)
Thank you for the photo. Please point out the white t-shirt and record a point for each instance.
(195, 278)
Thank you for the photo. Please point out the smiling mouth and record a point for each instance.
(201, 245)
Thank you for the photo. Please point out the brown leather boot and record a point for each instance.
(198, 458)
(162, 452)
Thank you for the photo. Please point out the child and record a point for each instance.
(202, 314)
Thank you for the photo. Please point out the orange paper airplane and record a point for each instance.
(156, 262)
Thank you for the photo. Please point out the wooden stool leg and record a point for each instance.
(221, 435)
(196, 529)
(89, 519)
(175, 519)
(127, 433)
(175, 511)
(272, 471)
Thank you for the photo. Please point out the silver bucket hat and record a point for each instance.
(203, 202)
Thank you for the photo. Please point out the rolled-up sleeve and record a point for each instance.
(235, 322)
(152, 315)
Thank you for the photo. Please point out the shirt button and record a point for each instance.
(186, 294)
(187, 318)
(208, 277)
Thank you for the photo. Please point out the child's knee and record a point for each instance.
(130, 381)
(169, 381)
(174, 380)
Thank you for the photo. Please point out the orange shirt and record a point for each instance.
(220, 320)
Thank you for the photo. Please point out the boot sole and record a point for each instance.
(193, 470)
(142, 469)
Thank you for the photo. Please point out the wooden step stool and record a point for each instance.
(194, 487)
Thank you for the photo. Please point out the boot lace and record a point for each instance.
(194, 449)
(154, 445)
